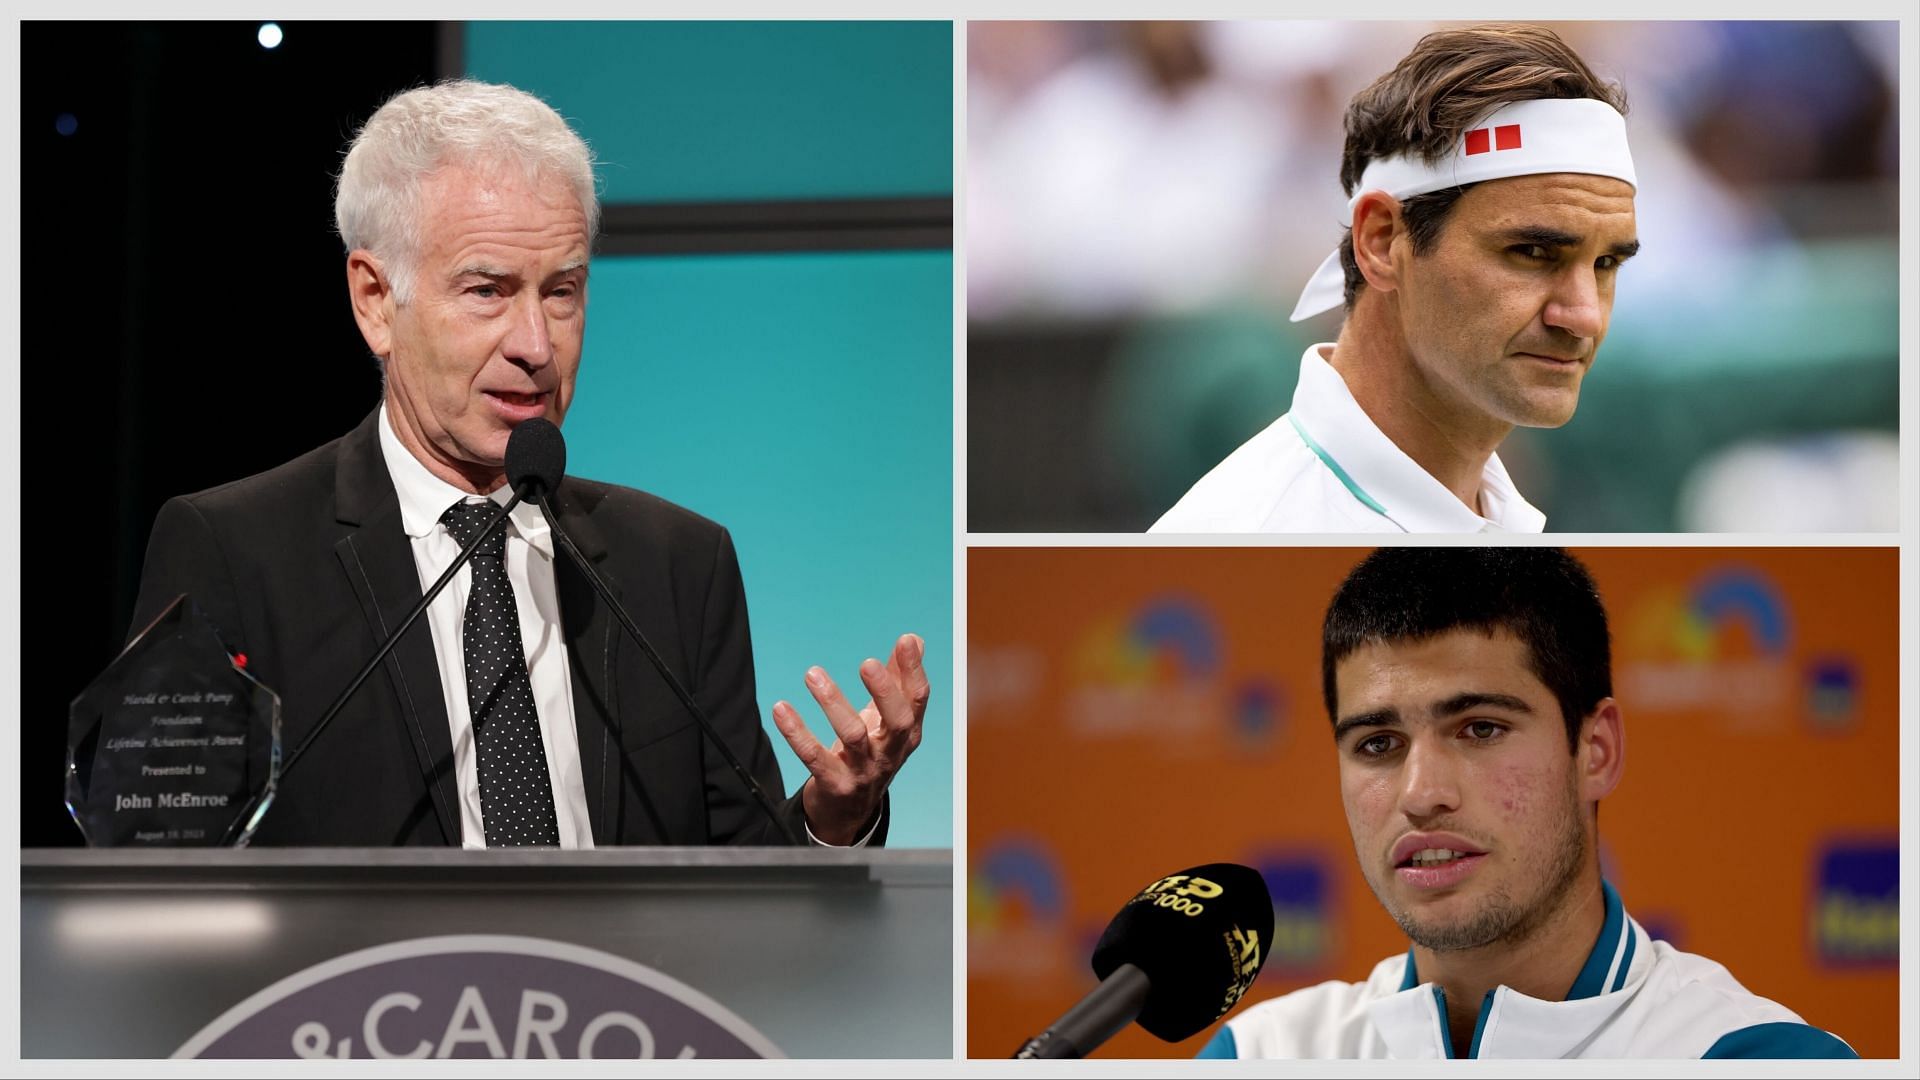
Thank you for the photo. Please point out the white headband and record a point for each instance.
(1549, 135)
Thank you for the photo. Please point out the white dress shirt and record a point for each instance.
(1325, 467)
(424, 497)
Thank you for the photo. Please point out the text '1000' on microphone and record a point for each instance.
(1176, 958)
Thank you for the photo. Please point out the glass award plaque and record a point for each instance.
(174, 745)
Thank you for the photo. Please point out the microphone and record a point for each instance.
(536, 461)
(1176, 958)
(536, 458)
(257, 806)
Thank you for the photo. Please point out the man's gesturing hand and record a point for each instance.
(850, 778)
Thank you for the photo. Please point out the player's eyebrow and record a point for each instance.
(1539, 234)
(1381, 718)
(1473, 699)
(1557, 238)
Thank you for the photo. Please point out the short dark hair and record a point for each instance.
(1431, 97)
(1543, 596)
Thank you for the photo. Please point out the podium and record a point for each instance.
(818, 953)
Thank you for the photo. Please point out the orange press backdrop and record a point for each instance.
(1135, 712)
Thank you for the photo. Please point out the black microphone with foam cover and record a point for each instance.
(1176, 958)
(537, 456)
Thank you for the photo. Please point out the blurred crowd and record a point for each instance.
(1159, 166)
(1121, 172)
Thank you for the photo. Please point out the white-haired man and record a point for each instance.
(1491, 207)
(523, 716)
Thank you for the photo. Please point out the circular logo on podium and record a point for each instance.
(478, 996)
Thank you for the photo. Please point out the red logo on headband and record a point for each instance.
(1504, 137)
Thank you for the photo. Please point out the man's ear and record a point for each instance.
(1601, 756)
(1376, 225)
(371, 293)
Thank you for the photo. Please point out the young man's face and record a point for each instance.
(1464, 802)
(1505, 310)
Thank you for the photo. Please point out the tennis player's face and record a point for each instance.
(1462, 797)
(1505, 311)
(492, 334)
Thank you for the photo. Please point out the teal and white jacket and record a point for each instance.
(1635, 997)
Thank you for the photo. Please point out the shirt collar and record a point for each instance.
(424, 497)
(1381, 475)
(1607, 962)
(1412, 1022)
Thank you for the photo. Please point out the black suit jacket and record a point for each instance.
(306, 570)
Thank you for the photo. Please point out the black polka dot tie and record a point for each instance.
(516, 797)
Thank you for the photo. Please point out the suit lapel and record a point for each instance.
(592, 642)
(378, 561)
(592, 636)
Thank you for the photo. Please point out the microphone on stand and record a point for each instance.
(536, 462)
(1176, 958)
(243, 823)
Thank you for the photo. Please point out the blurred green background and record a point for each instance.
(1145, 201)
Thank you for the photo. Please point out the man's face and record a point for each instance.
(1452, 745)
(1505, 310)
(492, 334)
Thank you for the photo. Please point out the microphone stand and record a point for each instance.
(686, 699)
(258, 804)
(1094, 1019)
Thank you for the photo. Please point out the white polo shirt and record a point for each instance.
(1325, 467)
(1634, 997)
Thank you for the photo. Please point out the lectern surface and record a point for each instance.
(824, 953)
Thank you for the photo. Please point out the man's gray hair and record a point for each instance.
(377, 204)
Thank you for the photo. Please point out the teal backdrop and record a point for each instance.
(802, 399)
(704, 111)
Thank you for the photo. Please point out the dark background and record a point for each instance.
(185, 322)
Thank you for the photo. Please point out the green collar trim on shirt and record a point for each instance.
(1339, 473)
(1446, 1031)
(1592, 980)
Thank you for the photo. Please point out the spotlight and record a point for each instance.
(66, 123)
(270, 35)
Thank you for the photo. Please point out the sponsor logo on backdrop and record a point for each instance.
(1017, 911)
(1721, 646)
(1856, 904)
(1833, 694)
(1301, 885)
(1159, 672)
(1260, 713)
(1015, 879)
(478, 996)
(1002, 681)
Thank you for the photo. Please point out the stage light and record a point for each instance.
(112, 927)
(270, 35)
(66, 123)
